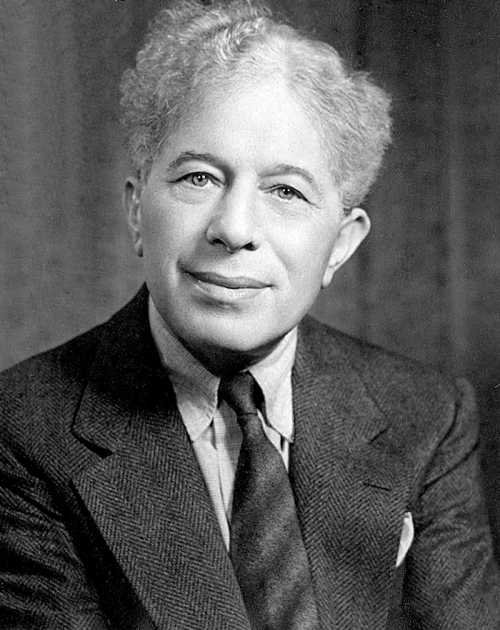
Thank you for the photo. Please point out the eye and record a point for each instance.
(287, 193)
(198, 179)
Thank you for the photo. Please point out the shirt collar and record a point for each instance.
(273, 374)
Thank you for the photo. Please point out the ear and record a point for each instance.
(132, 205)
(353, 229)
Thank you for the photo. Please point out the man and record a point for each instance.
(212, 458)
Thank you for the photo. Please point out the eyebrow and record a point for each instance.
(289, 169)
(187, 156)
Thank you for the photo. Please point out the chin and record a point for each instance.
(232, 336)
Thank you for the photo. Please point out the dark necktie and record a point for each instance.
(266, 546)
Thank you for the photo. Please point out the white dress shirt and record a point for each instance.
(213, 430)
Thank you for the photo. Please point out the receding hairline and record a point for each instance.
(221, 85)
(188, 41)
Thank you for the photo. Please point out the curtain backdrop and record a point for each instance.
(426, 283)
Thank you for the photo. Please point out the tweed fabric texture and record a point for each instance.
(105, 520)
(266, 549)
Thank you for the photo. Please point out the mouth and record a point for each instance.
(228, 282)
(223, 289)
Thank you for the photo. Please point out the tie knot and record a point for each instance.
(241, 392)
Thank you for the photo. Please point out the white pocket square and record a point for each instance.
(406, 539)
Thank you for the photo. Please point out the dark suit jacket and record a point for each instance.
(105, 521)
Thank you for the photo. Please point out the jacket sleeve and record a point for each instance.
(451, 580)
(42, 581)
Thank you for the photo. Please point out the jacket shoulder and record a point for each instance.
(39, 395)
(394, 381)
(49, 368)
(327, 340)
(69, 362)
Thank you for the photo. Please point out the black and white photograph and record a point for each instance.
(250, 315)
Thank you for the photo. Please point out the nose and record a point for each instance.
(233, 224)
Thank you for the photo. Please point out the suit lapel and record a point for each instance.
(147, 494)
(349, 487)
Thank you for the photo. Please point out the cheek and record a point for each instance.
(305, 253)
(169, 229)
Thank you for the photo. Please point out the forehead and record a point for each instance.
(251, 123)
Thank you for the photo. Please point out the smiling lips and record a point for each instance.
(236, 282)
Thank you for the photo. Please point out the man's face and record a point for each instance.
(239, 222)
